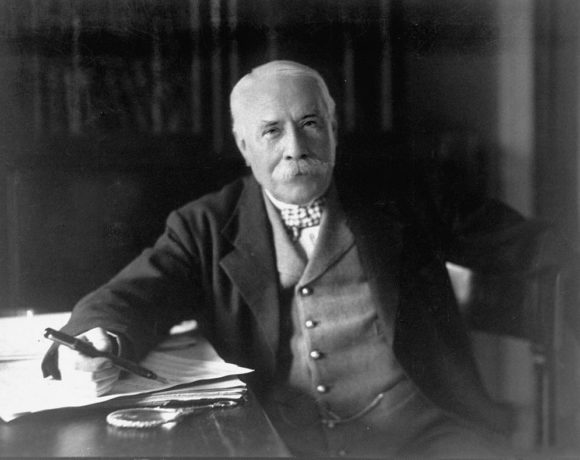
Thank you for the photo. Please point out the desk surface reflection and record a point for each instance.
(242, 431)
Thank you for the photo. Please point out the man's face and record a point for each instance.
(288, 138)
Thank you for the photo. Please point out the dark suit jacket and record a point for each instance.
(215, 262)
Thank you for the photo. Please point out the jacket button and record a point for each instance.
(310, 324)
(315, 354)
(322, 389)
(330, 424)
(305, 291)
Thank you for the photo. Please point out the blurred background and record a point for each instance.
(114, 112)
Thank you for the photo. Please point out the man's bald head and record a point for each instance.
(245, 90)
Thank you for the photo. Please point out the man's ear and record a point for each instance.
(241, 143)
(334, 125)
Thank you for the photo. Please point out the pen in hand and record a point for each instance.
(87, 349)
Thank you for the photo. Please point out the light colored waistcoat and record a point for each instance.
(337, 351)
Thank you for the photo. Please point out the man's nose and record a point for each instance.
(295, 147)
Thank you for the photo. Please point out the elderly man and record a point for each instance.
(342, 306)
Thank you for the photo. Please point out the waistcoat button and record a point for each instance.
(315, 354)
(309, 324)
(305, 291)
(322, 388)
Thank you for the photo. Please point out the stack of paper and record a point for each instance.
(215, 390)
(190, 380)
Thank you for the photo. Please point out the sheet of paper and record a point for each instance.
(24, 391)
(177, 370)
(21, 337)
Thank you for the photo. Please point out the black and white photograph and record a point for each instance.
(290, 228)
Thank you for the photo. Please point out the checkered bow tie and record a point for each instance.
(296, 218)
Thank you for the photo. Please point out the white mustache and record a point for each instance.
(289, 169)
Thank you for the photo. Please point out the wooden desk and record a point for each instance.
(243, 431)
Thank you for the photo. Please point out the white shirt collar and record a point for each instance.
(280, 204)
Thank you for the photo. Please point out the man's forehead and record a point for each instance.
(267, 97)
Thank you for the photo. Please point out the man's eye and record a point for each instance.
(270, 132)
(310, 124)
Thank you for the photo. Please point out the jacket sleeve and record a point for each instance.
(158, 289)
(493, 238)
(510, 258)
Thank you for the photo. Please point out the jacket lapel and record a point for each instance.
(251, 264)
(334, 240)
(378, 233)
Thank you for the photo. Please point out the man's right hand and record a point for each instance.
(91, 376)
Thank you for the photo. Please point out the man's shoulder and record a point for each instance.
(219, 204)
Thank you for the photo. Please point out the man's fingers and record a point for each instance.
(71, 360)
(98, 337)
